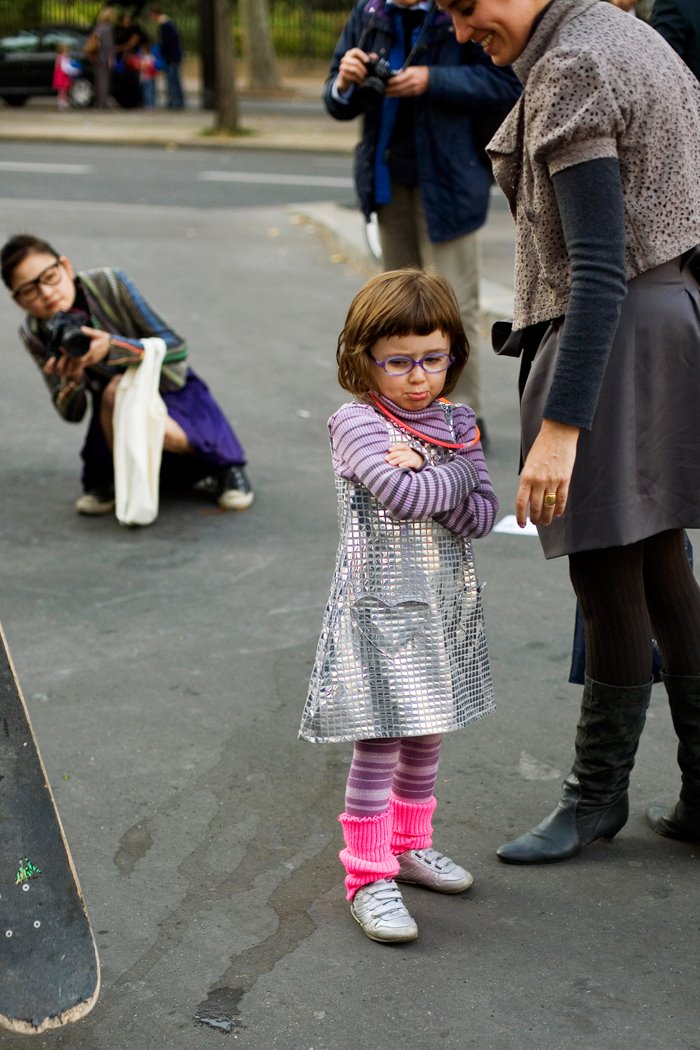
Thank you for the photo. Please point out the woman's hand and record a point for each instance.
(547, 471)
(409, 83)
(407, 458)
(352, 69)
(66, 367)
(99, 346)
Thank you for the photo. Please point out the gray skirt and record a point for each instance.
(637, 471)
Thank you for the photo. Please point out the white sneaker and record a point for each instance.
(379, 909)
(427, 867)
(95, 502)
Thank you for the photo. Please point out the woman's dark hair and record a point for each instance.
(396, 303)
(16, 250)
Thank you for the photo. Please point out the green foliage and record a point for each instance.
(300, 28)
(304, 32)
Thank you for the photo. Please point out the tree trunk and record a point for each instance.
(226, 104)
(257, 45)
(207, 54)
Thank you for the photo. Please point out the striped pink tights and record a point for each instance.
(405, 768)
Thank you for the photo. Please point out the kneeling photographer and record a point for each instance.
(84, 329)
(429, 105)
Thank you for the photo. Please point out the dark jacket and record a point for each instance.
(169, 42)
(678, 22)
(466, 94)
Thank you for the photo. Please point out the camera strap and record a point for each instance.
(427, 21)
(429, 16)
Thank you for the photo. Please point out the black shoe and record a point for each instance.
(682, 821)
(235, 492)
(593, 803)
(675, 823)
(575, 823)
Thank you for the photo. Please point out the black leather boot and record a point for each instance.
(594, 801)
(683, 820)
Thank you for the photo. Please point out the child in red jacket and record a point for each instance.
(64, 72)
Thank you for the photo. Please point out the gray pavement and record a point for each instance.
(166, 668)
(295, 119)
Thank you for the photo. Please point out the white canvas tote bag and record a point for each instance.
(139, 427)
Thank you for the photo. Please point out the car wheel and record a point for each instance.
(82, 93)
(15, 100)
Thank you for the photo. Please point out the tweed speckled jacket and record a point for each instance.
(598, 83)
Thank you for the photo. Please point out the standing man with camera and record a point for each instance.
(429, 104)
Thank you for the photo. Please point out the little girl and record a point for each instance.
(64, 72)
(402, 656)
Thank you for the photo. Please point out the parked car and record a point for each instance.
(27, 60)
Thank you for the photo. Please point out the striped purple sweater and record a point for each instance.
(458, 493)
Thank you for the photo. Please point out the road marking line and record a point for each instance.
(46, 168)
(262, 178)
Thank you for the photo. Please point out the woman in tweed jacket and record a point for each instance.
(600, 162)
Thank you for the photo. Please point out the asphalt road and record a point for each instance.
(189, 178)
(166, 670)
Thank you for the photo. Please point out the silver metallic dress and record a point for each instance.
(402, 650)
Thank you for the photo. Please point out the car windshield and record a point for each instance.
(54, 37)
(45, 40)
(24, 41)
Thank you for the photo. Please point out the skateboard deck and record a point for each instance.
(49, 968)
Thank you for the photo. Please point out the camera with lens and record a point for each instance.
(379, 73)
(66, 337)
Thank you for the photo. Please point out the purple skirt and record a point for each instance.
(208, 431)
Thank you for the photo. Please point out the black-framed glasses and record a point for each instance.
(438, 361)
(29, 291)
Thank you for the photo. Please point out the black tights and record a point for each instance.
(629, 594)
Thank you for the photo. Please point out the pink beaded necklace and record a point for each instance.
(416, 433)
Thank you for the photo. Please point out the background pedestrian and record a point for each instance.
(171, 53)
(424, 127)
(148, 73)
(65, 71)
(99, 50)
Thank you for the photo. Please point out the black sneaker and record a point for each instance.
(235, 492)
(95, 502)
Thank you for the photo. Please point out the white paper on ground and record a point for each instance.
(510, 526)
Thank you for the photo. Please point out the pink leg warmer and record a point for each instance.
(367, 855)
(412, 824)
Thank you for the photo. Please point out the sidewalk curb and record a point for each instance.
(255, 141)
